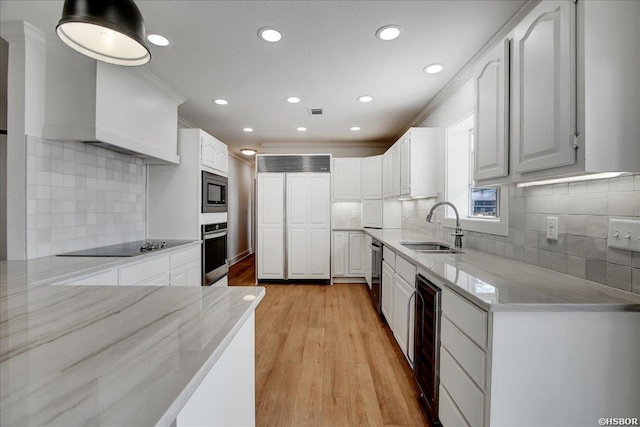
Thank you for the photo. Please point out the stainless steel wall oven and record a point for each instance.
(214, 253)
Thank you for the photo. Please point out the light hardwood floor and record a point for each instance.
(324, 358)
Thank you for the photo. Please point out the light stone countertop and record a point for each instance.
(354, 228)
(107, 355)
(496, 283)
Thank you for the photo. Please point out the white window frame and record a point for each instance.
(496, 226)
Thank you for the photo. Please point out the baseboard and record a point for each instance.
(349, 280)
(240, 256)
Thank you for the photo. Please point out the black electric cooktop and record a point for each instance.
(128, 249)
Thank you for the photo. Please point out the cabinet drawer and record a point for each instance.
(472, 359)
(184, 257)
(406, 270)
(163, 279)
(389, 256)
(448, 413)
(466, 316)
(466, 395)
(146, 270)
(108, 277)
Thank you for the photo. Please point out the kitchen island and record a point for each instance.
(121, 355)
(518, 344)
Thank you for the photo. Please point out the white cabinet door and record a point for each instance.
(194, 274)
(543, 79)
(346, 179)
(308, 225)
(372, 178)
(405, 165)
(387, 178)
(270, 210)
(340, 253)
(403, 316)
(178, 277)
(372, 213)
(209, 155)
(491, 131)
(388, 284)
(395, 169)
(214, 153)
(356, 254)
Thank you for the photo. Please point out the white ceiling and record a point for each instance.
(328, 56)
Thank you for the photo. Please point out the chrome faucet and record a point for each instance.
(458, 232)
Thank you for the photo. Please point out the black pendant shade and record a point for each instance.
(112, 31)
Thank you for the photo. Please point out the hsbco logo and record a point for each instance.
(618, 421)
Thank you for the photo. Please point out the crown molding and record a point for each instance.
(375, 144)
(15, 31)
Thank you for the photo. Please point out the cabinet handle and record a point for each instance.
(411, 362)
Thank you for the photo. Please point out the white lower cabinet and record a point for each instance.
(367, 259)
(176, 268)
(349, 256)
(404, 307)
(388, 285)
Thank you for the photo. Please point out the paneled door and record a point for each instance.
(308, 225)
(544, 96)
(491, 79)
(270, 211)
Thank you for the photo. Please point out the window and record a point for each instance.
(482, 209)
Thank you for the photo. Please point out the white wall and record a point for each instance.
(240, 209)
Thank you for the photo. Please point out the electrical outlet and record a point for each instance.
(624, 234)
(552, 228)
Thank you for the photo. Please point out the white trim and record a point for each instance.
(240, 257)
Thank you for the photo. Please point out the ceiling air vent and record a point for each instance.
(315, 111)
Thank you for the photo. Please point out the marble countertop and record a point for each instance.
(107, 355)
(496, 283)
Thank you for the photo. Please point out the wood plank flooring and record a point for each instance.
(325, 358)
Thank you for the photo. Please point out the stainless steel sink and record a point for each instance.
(430, 247)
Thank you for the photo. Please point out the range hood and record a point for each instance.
(126, 110)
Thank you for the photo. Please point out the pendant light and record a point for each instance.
(111, 31)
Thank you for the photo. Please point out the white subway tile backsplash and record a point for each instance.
(67, 204)
(619, 203)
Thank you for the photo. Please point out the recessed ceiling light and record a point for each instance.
(301, 129)
(388, 32)
(365, 98)
(293, 99)
(247, 129)
(355, 128)
(269, 35)
(248, 151)
(221, 101)
(158, 40)
(433, 68)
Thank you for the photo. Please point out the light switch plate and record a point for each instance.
(624, 234)
(552, 228)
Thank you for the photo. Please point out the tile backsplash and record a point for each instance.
(80, 196)
(346, 215)
(583, 210)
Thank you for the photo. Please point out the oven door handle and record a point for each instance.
(214, 235)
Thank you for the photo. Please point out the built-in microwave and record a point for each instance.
(214, 193)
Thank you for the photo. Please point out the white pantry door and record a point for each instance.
(308, 225)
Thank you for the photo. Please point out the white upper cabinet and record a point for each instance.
(214, 154)
(491, 129)
(372, 211)
(396, 165)
(91, 101)
(543, 88)
(372, 178)
(346, 179)
(417, 167)
(387, 175)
